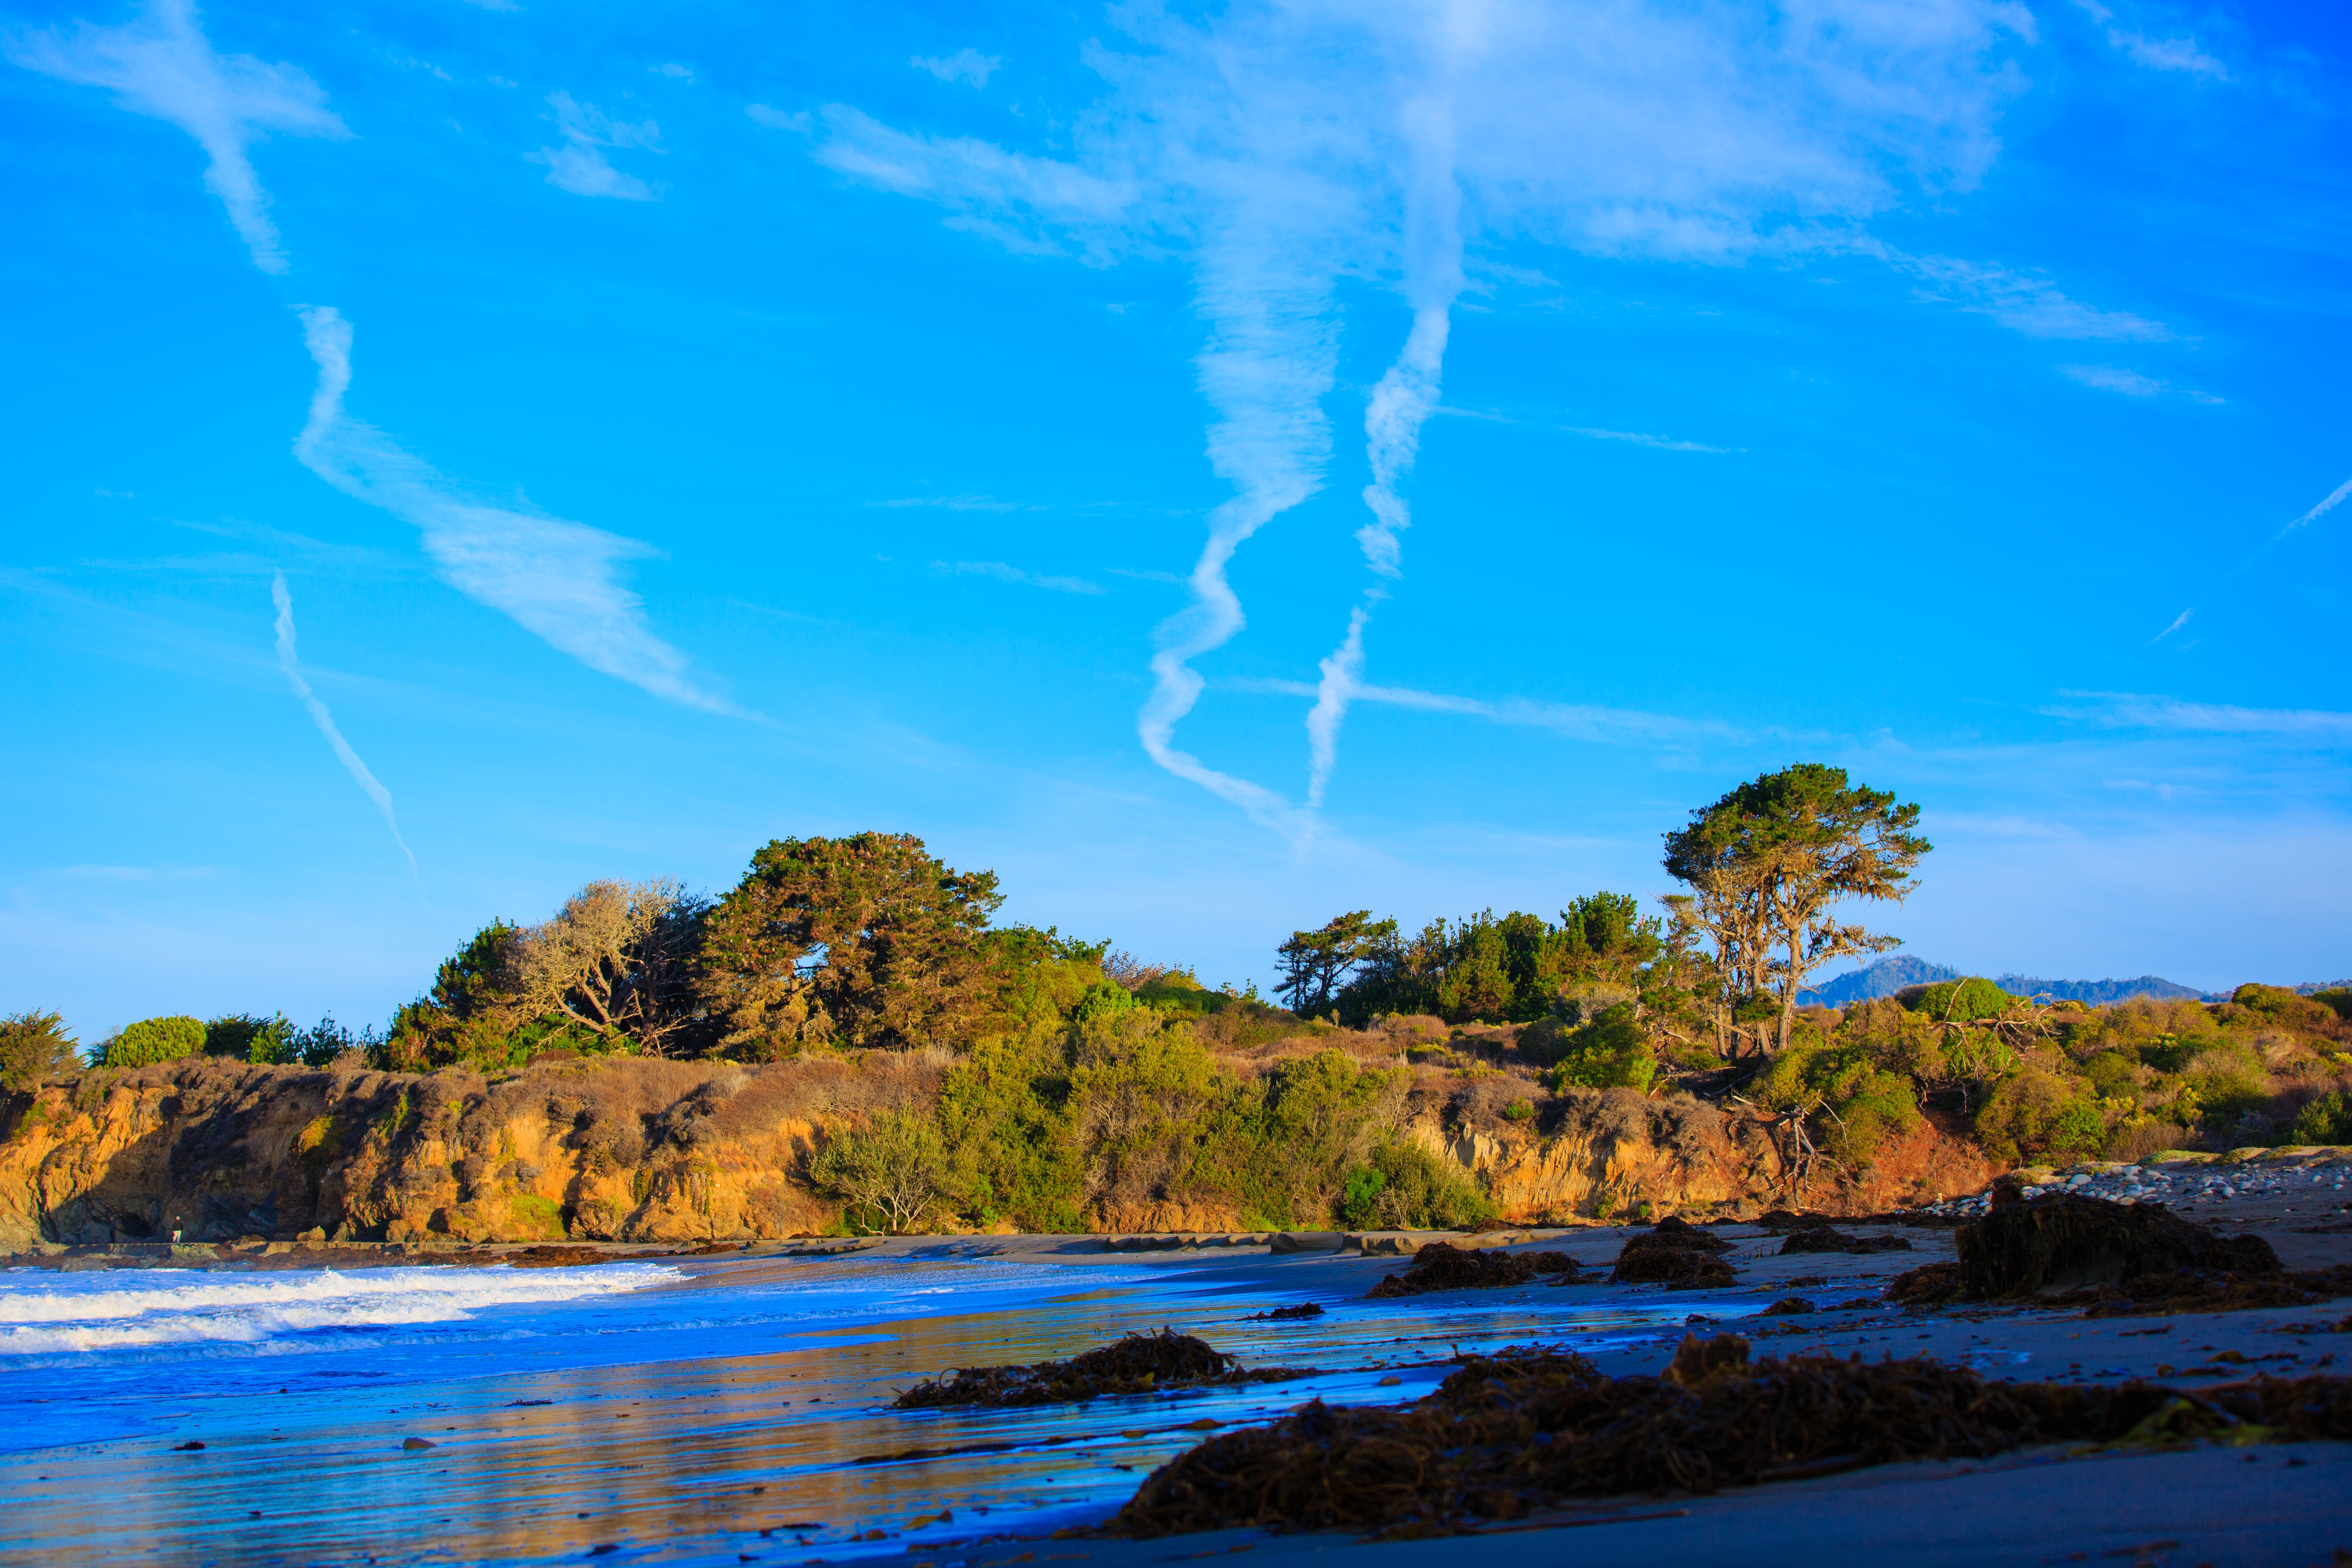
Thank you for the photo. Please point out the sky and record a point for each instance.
(1217, 466)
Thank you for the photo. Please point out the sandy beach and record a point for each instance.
(731, 1408)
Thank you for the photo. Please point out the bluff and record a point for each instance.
(638, 1149)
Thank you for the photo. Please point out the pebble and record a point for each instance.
(2155, 1184)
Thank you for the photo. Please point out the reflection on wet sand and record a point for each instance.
(776, 1453)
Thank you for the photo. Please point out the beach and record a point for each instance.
(729, 1409)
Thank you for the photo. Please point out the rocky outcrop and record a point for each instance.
(632, 1151)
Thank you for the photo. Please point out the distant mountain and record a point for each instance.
(1883, 978)
(2097, 993)
(1889, 975)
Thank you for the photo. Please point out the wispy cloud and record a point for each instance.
(162, 65)
(1662, 443)
(2023, 302)
(1593, 433)
(580, 166)
(955, 503)
(2157, 53)
(291, 668)
(1611, 726)
(1004, 573)
(673, 70)
(559, 580)
(2136, 711)
(2131, 383)
(1280, 149)
(964, 65)
(2332, 500)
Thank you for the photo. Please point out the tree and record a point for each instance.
(153, 1041)
(1766, 864)
(891, 1169)
(616, 960)
(865, 940)
(33, 1047)
(250, 1037)
(469, 1013)
(1316, 964)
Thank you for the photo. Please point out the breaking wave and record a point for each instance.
(145, 1309)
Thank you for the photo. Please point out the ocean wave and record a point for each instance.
(161, 1309)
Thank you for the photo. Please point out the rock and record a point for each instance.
(413, 1443)
(1292, 1241)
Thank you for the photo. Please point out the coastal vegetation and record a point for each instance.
(948, 1072)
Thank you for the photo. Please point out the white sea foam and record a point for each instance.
(158, 1310)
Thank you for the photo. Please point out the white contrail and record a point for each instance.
(557, 579)
(162, 65)
(1399, 406)
(326, 721)
(2335, 498)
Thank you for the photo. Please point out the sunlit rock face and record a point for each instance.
(642, 1149)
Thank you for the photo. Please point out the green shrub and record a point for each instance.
(33, 1047)
(1284, 1145)
(1520, 1110)
(1962, 1000)
(1403, 1186)
(154, 1040)
(889, 1174)
(2227, 1078)
(2338, 999)
(1854, 1105)
(248, 1037)
(536, 1216)
(1004, 1112)
(2326, 1119)
(2112, 1074)
(2037, 1115)
(1612, 1052)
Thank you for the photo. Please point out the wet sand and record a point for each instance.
(778, 1449)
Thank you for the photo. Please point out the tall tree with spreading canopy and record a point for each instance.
(616, 960)
(865, 940)
(1316, 964)
(1766, 864)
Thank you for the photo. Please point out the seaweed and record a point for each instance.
(1139, 1363)
(1289, 1314)
(1930, 1284)
(2210, 1290)
(1441, 1267)
(1787, 1306)
(1675, 1254)
(1507, 1434)
(2061, 1240)
(1822, 1238)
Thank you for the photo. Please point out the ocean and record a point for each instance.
(682, 1411)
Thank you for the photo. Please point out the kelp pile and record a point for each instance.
(1441, 1267)
(1823, 1236)
(2112, 1260)
(1928, 1285)
(1289, 1314)
(2063, 1240)
(1162, 1363)
(2210, 1290)
(1674, 1253)
(1508, 1434)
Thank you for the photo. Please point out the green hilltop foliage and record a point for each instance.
(1065, 1086)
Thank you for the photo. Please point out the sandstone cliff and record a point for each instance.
(655, 1151)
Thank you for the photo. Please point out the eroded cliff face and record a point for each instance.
(1627, 1158)
(652, 1151)
(216, 1152)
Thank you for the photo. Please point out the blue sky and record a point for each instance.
(1216, 466)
